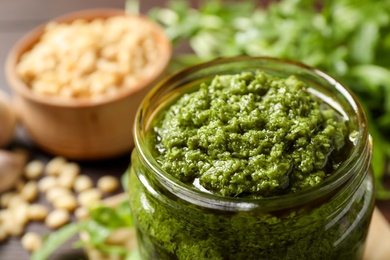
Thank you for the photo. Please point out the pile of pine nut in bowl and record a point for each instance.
(78, 80)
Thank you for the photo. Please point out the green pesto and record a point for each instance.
(250, 135)
(169, 228)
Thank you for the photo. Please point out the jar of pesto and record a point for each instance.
(251, 158)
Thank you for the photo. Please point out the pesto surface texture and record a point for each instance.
(250, 135)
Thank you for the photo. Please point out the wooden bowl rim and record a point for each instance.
(32, 37)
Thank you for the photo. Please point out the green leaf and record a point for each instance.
(103, 221)
(107, 217)
(364, 43)
(382, 192)
(134, 256)
(96, 231)
(123, 210)
(381, 153)
(374, 78)
(183, 61)
(383, 122)
(55, 240)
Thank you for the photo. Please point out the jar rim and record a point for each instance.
(342, 174)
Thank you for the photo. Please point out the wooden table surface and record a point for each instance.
(16, 18)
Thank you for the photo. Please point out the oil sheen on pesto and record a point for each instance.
(250, 135)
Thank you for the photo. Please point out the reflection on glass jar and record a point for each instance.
(177, 221)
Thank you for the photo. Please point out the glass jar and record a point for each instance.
(328, 221)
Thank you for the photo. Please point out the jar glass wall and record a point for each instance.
(328, 221)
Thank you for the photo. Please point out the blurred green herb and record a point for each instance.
(349, 39)
(125, 179)
(55, 240)
(103, 220)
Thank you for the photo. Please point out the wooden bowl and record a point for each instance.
(82, 129)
